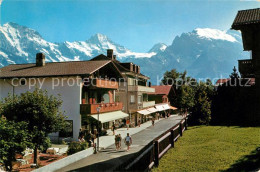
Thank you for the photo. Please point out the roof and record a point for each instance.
(222, 81)
(243, 81)
(118, 64)
(245, 17)
(161, 90)
(251, 81)
(73, 68)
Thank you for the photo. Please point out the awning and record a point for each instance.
(166, 107)
(152, 110)
(173, 108)
(110, 116)
(144, 112)
(159, 108)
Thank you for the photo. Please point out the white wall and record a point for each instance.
(70, 95)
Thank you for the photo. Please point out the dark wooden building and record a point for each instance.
(248, 22)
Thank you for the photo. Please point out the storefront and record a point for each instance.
(108, 118)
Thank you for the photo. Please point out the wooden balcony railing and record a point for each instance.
(246, 68)
(148, 104)
(103, 83)
(140, 88)
(105, 107)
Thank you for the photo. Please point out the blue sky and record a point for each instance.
(136, 24)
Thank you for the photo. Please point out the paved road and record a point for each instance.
(109, 159)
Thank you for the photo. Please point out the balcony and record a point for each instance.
(105, 107)
(246, 68)
(141, 89)
(102, 83)
(148, 104)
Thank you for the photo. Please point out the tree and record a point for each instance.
(201, 111)
(234, 74)
(184, 93)
(170, 77)
(184, 98)
(39, 110)
(14, 139)
(191, 96)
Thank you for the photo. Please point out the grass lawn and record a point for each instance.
(214, 148)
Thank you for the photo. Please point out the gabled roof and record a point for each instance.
(118, 65)
(161, 90)
(246, 17)
(243, 81)
(74, 68)
(222, 81)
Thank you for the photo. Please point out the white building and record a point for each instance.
(67, 80)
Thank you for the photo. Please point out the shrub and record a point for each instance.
(103, 133)
(75, 147)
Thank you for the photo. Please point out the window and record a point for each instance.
(68, 129)
(131, 81)
(132, 99)
(117, 99)
(22, 82)
(139, 99)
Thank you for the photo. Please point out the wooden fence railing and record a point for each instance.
(151, 154)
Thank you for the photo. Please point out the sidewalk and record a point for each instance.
(106, 141)
(110, 159)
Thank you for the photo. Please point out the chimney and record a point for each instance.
(114, 57)
(110, 53)
(138, 69)
(135, 68)
(40, 59)
(131, 67)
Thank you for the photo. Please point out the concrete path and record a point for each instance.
(109, 159)
(106, 141)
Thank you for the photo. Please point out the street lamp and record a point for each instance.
(98, 110)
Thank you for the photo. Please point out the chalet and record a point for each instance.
(133, 89)
(162, 94)
(84, 87)
(248, 22)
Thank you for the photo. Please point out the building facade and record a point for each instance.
(248, 22)
(83, 86)
(133, 87)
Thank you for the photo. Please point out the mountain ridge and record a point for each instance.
(203, 52)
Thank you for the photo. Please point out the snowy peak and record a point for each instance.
(98, 39)
(214, 34)
(23, 30)
(159, 47)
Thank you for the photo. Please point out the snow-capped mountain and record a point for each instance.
(160, 47)
(203, 52)
(19, 44)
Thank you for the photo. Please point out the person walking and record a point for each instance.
(113, 128)
(127, 123)
(153, 121)
(128, 141)
(119, 141)
(116, 142)
(139, 122)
